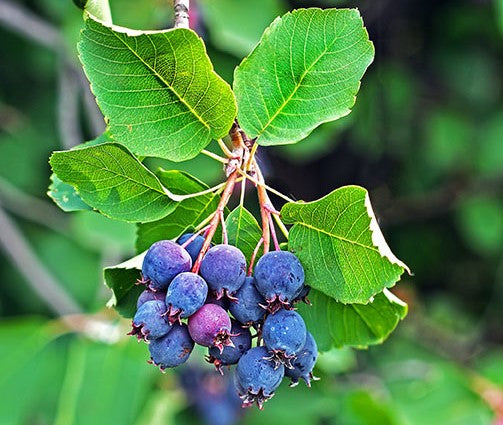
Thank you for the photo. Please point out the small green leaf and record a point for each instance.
(121, 279)
(355, 325)
(111, 180)
(340, 245)
(188, 213)
(305, 71)
(243, 231)
(65, 196)
(157, 89)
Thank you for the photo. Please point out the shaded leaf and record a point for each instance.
(121, 279)
(306, 70)
(157, 89)
(356, 325)
(114, 182)
(340, 245)
(65, 196)
(188, 213)
(243, 231)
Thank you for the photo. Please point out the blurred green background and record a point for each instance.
(425, 137)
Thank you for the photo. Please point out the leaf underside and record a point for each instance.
(157, 89)
(306, 70)
(341, 247)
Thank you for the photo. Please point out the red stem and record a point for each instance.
(194, 236)
(212, 227)
(254, 256)
(273, 234)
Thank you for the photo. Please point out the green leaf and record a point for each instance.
(157, 89)
(111, 180)
(121, 279)
(229, 31)
(243, 231)
(188, 213)
(65, 196)
(340, 245)
(305, 71)
(356, 325)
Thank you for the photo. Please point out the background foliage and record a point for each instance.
(426, 139)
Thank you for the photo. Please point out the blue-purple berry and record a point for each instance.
(304, 363)
(163, 261)
(148, 295)
(150, 322)
(257, 377)
(248, 309)
(284, 334)
(241, 339)
(279, 276)
(194, 247)
(172, 349)
(186, 294)
(224, 269)
(211, 326)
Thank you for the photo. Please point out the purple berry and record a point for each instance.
(163, 261)
(224, 269)
(241, 338)
(304, 363)
(172, 349)
(257, 377)
(284, 334)
(186, 294)
(279, 276)
(194, 247)
(247, 309)
(210, 326)
(147, 295)
(149, 321)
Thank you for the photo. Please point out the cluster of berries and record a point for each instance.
(263, 302)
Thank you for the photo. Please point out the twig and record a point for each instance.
(15, 246)
(181, 8)
(254, 256)
(224, 228)
(179, 198)
(281, 225)
(273, 234)
(269, 188)
(214, 156)
(224, 148)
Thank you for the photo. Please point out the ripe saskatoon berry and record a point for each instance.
(279, 277)
(186, 294)
(210, 326)
(304, 363)
(149, 321)
(147, 295)
(247, 309)
(302, 295)
(230, 355)
(172, 349)
(257, 377)
(224, 269)
(284, 334)
(163, 261)
(194, 247)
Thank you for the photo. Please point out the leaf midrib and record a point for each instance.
(297, 86)
(199, 118)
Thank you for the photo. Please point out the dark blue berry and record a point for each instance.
(210, 326)
(284, 334)
(247, 309)
(162, 262)
(257, 377)
(224, 269)
(302, 295)
(147, 295)
(186, 294)
(304, 363)
(194, 247)
(172, 349)
(241, 339)
(279, 276)
(149, 322)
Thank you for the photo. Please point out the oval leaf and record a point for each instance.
(355, 325)
(306, 70)
(340, 245)
(108, 178)
(157, 89)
